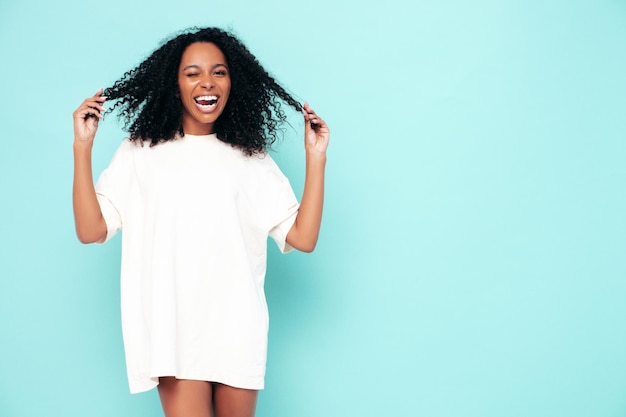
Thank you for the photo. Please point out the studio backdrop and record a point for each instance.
(472, 256)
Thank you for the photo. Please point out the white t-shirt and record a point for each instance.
(196, 215)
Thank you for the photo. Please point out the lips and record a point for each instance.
(206, 103)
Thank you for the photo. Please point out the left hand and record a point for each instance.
(316, 132)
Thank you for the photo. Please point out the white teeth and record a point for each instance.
(205, 98)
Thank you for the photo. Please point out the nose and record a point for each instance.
(207, 81)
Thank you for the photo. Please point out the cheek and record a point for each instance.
(185, 103)
(226, 88)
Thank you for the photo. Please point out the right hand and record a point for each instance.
(87, 116)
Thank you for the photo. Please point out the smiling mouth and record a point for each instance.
(206, 103)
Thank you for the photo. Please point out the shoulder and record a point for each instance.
(129, 146)
(260, 159)
(262, 162)
(263, 173)
(125, 153)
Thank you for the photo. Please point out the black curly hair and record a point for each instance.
(150, 106)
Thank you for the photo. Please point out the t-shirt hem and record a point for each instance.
(237, 381)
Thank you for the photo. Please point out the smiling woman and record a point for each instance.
(152, 107)
(204, 84)
(197, 207)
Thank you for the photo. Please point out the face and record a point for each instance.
(204, 84)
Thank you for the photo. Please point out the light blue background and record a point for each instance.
(471, 261)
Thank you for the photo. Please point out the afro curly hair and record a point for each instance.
(151, 109)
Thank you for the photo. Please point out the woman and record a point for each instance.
(197, 195)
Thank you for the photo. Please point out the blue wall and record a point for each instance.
(472, 255)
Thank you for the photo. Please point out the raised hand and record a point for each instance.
(305, 230)
(90, 225)
(87, 116)
(316, 132)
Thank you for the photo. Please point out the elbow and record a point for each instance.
(91, 231)
(307, 247)
(302, 246)
(301, 240)
(86, 238)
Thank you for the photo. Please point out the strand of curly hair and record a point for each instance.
(151, 110)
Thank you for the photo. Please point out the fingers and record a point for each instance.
(92, 107)
(87, 116)
(316, 132)
(310, 116)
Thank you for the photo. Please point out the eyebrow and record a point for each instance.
(196, 66)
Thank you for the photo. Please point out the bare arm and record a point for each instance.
(90, 225)
(305, 231)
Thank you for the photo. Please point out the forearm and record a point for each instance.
(305, 231)
(90, 225)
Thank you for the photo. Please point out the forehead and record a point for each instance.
(202, 53)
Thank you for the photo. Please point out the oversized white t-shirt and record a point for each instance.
(196, 214)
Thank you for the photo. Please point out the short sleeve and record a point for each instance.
(112, 188)
(280, 231)
(276, 204)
